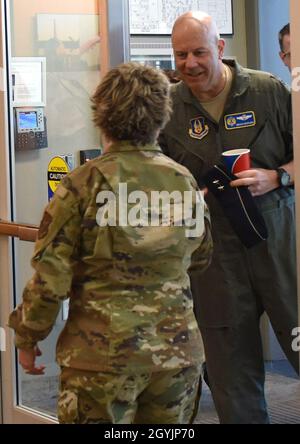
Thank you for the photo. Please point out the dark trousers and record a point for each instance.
(229, 299)
(236, 375)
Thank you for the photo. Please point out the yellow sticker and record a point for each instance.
(57, 170)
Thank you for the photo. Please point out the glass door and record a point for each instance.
(55, 65)
(56, 54)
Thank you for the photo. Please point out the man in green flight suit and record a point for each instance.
(220, 106)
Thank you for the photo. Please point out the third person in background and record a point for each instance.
(285, 46)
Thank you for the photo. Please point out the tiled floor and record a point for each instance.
(282, 393)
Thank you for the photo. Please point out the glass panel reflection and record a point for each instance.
(66, 34)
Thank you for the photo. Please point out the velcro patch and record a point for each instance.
(62, 192)
(240, 120)
(198, 128)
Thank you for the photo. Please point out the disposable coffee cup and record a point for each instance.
(237, 160)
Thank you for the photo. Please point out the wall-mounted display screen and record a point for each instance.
(158, 16)
(28, 120)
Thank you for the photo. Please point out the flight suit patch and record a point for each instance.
(46, 221)
(198, 128)
(240, 120)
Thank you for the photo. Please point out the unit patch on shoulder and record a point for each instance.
(240, 120)
(198, 129)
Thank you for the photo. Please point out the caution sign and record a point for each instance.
(57, 170)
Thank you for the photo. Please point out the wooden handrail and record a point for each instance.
(24, 232)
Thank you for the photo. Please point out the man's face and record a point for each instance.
(197, 57)
(285, 55)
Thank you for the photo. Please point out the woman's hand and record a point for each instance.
(27, 361)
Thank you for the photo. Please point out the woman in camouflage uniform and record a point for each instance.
(130, 351)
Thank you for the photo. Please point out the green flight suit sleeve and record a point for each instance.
(284, 115)
(53, 261)
(202, 257)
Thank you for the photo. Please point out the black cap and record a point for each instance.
(238, 205)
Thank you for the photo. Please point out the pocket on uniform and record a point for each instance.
(275, 201)
(281, 225)
(56, 215)
(263, 154)
(67, 407)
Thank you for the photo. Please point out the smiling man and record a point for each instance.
(198, 53)
(209, 110)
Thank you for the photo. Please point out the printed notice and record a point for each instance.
(158, 16)
(57, 170)
(28, 81)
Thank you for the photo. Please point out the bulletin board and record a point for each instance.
(156, 17)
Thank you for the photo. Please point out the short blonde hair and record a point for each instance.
(133, 103)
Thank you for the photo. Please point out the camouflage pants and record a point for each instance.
(168, 397)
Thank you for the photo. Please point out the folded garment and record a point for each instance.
(238, 205)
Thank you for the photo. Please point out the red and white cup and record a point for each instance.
(237, 160)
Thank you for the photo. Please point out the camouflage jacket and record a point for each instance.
(130, 302)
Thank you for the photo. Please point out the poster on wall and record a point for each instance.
(156, 17)
(69, 41)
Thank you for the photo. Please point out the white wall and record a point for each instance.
(273, 15)
(237, 44)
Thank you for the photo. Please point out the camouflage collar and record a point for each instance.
(127, 146)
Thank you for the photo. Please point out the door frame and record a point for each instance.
(11, 412)
(113, 26)
(5, 213)
(295, 45)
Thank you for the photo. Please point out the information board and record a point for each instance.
(28, 81)
(156, 17)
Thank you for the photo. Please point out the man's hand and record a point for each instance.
(27, 361)
(258, 180)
